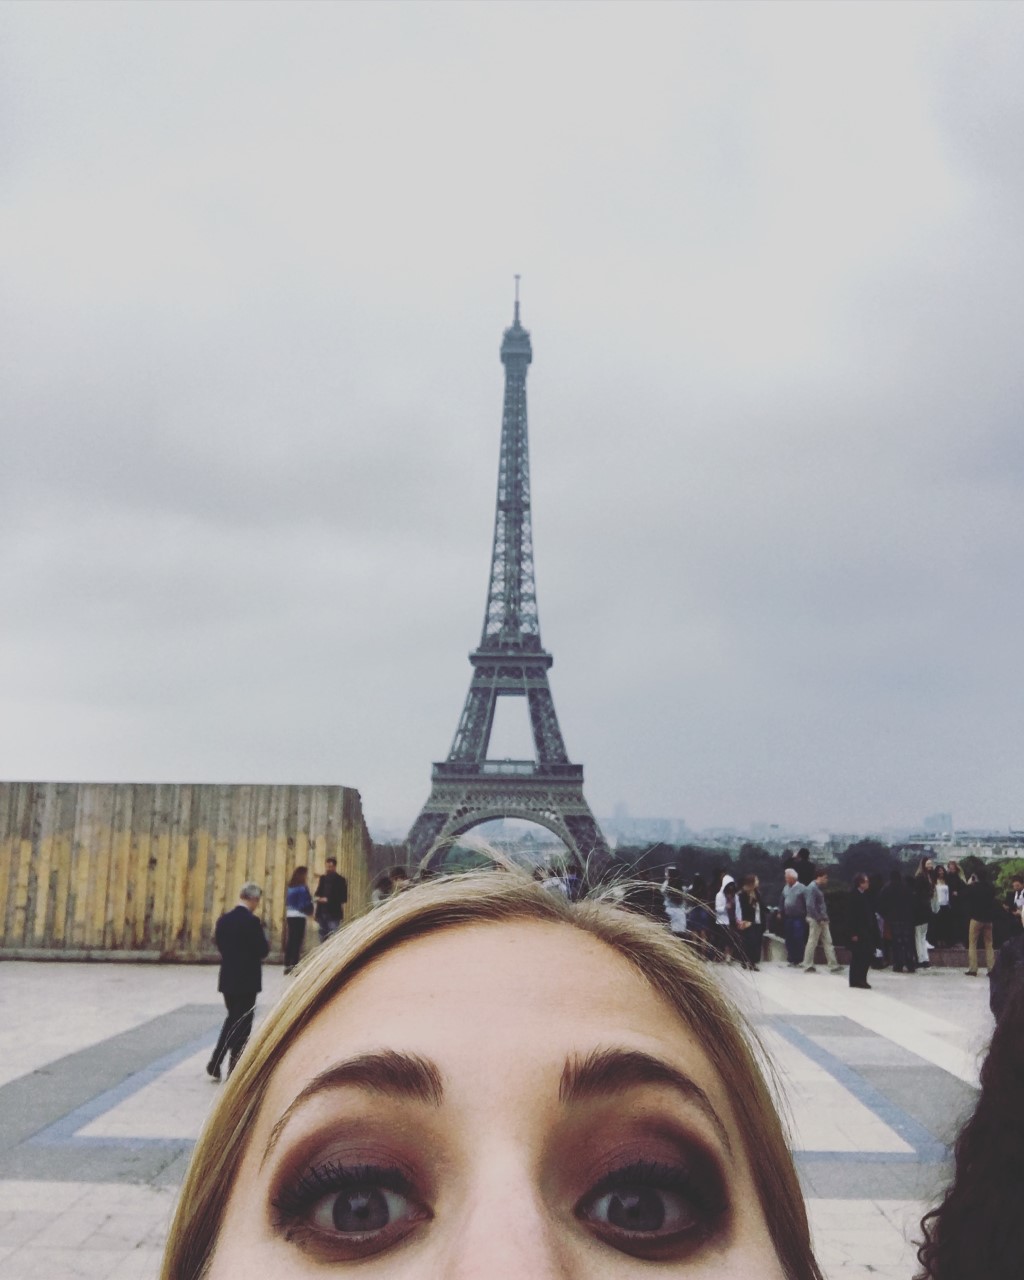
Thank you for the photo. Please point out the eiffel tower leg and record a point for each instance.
(425, 833)
(547, 736)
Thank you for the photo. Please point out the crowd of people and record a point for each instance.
(896, 922)
(937, 907)
(726, 921)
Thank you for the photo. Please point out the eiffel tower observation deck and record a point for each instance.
(469, 788)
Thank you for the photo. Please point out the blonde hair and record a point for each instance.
(668, 967)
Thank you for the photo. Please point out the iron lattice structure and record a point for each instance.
(468, 788)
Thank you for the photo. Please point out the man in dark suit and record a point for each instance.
(863, 930)
(331, 896)
(243, 945)
(981, 911)
(806, 871)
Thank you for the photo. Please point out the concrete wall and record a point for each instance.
(142, 871)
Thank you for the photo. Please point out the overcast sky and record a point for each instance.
(255, 264)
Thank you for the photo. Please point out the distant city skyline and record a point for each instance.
(623, 827)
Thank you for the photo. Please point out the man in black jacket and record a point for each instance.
(863, 931)
(331, 896)
(805, 869)
(981, 910)
(243, 945)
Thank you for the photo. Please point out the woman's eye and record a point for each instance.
(643, 1210)
(343, 1213)
(653, 1210)
(361, 1210)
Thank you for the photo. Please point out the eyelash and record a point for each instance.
(300, 1196)
(700, 1188)
(658, 1177)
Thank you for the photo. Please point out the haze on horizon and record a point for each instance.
(256, 262)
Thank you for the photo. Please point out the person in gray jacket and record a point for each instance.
(817, 926)
(794, 916)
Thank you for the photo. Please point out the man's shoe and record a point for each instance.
(810, 969)
(861, 986)
(837, 968)
(213, 1072)
(971, 973)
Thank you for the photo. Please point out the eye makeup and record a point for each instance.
(648, 1181)
(656, 1209)
(639, 1184)
(342, 1211)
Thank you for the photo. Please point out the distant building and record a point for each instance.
(621, 828)
(939, 826)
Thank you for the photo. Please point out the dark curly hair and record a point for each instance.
(975, 1229)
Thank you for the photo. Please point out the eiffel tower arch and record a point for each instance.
(468, 788)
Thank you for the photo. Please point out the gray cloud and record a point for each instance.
(254, 278)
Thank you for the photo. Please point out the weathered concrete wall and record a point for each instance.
(143, 870)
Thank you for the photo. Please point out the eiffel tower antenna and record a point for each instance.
(468, 788)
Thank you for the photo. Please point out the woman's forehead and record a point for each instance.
(469, 989)
(518, 962)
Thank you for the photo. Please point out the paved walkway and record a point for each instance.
(102, 1091)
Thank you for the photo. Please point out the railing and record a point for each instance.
(507, 768)
(524, 768)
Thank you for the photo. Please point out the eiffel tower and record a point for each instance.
(468, 788)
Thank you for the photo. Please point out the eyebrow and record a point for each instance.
(601, 1073)
(604, 1072)
(397, 1075)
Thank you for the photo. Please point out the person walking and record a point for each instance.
(752, 917)
(722, 878)
(732, 930)
(805, 868)
(896, 903)
(720, 941)
(957, 901)
(981, 912)
(883, 946)
(924, 888)
(700, 919)
(331, 896)
(298, 907)
(243, 946)
(793, 906)
(674, 900)
(940, 931)
(573, 882)
(818, 927)
(862, 933)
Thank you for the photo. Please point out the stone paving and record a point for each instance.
(102, 1091)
